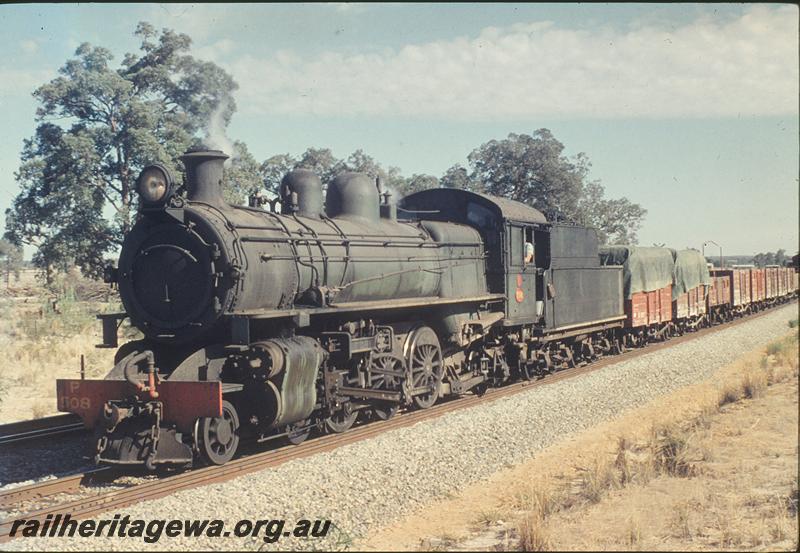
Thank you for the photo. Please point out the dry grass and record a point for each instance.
(753, 384)
(777, 348)
(443, 542)
(792, 500)
(785, 353)
(781, 524)
(534, 496)
(543, 501)
(726, 518)
(40, 409)
(533, 533)
(681, 520)
(633, 532)
(730, 393)
(488, 517)
(669, 451)
(596, 480)
(674, 449)
(43, 333)
(782, 361)
(622, 461)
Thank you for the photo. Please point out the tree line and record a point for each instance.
(761, 259)
(99, 125)
(770, 258)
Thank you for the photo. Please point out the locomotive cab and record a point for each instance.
(560, 289)
(508, 230)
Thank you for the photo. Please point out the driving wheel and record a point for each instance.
(425, 367)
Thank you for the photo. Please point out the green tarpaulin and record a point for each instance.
(690, 271)
(643, 269)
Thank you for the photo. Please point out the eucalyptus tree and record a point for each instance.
(533, 169)
(97, 126)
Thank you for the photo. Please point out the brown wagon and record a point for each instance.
(758, 284)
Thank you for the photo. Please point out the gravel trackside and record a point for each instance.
(368, 484)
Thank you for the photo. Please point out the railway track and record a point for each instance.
(38, 429)
(87, 507)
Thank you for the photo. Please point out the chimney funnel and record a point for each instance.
(204, 169)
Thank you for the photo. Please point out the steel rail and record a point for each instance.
(47, 488)
(90, 506)
(46, 427)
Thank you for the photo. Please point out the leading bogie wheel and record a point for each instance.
(424, 365)
(218, 437)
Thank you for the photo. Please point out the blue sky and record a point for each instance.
(690, 110)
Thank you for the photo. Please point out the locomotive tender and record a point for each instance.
(264, 323)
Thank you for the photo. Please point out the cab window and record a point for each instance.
(516, 245)
(528, 248)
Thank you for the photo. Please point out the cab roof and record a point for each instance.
(453, 202)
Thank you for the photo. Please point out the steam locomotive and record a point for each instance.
(281, 318)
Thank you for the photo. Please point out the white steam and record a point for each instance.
(396, 195)
(216, 134)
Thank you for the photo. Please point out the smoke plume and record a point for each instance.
(216, 135)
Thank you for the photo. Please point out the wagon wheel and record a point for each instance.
(218, 437)
(297, 432)
(633, 340)
(380, 380)
(425, 367)
(588, 352)
(341, 421)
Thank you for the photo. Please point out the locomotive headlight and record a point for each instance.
(154, 184)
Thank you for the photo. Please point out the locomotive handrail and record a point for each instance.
(423, 211)
(412, 270)
(291, 243)
(237, 240)
(258, 227)
(321, 249)
(367, 259)
(353, 236)
(363, 242)
(393, 273)
(345, 243)
(184, 251)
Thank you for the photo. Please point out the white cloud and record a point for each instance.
(217, 51)
(349, 7)
(709, 67)
(22, 82)
(197, 20)
(29, 46)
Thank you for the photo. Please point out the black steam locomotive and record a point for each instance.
(276, 319)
